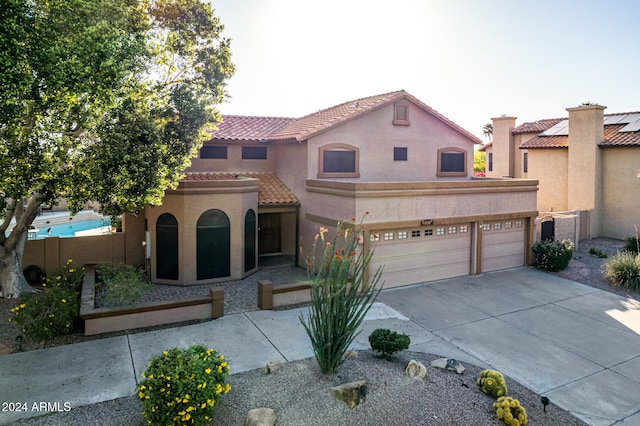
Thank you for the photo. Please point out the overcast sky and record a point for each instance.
(468, 59)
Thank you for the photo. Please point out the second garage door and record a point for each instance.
(412, 256)
(503, 245)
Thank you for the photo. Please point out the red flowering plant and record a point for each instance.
(341, 295)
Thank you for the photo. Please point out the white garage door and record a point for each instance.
(412, 256)
(503, 244)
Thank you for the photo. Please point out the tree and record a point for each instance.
(487, 131)
(102, 100)
(479, 161)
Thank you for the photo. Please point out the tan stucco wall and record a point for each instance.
(549, 167)
(621, 186)
(187, 204)
(376, 136)
(503, 147)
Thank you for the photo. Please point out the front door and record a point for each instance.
(269, 233)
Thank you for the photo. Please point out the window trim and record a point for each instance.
(338, 147)
(451, 150)
(396, 108)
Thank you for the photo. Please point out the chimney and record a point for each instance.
(503, 147)
(584, 183)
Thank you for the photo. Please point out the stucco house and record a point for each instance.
(264, 185)
(588, 163)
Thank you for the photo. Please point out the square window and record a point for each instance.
(486, 226)
(213, 152)
(254, 152)
(439, 231)
(388, 236)
(508, 225)
(416, 233)
(464, 228)
(518, 224)
(402, 235)
(428, 232)
(497, 226)
(374, 236)
(453, 229)
(399, 153)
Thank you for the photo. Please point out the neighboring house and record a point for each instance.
(588, 163)
(264, 185)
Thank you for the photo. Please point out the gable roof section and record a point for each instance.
(271, 190)
(275, 129)
(612, 135)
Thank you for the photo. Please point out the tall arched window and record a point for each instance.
(213, 241)
(249, 240)
(167, 247)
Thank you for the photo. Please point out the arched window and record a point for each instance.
(167, 247)
(249, 240)
(452, 162)
(213, 242)
(338, 160)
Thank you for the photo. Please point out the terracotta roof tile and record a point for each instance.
(613, 137)
(536, 126)
(546, 142)
(241, 128)
(271, 190)
(485, 146)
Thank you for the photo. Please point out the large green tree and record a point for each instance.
(101, 100)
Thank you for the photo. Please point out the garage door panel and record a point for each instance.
(502, 248)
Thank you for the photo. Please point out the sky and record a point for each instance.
(470, 60)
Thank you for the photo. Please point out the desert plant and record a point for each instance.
(597, 252)
(54, 313)
(492, 383)
(631, 244)
(388, 342)
(340, 294)
(623, 270)
(510, 411)
(119, 284)
(181, 386)
(553, 255)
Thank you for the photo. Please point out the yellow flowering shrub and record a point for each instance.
(182, 386)
(56, 311)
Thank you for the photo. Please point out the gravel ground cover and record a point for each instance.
(300, 395)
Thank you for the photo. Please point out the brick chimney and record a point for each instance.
(584, 183)
(503, 147)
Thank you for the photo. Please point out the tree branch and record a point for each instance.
(7, 220)
(24, 219)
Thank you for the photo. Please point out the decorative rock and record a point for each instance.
(5, 349)
(350, 354)
(352, 393)
(260, 417)
(272, 366)
(448, 364)
(416, 370)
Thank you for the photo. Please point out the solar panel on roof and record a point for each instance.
(631, 118)
(613, 119)
(631, 127)
(560, 129)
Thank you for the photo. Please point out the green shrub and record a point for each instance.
(388, 342)
(623, 270)
(553, 255)
(597, 252)
(340, 296)
(631, 244)
(54, 313)
(119, 284)
(181, 386)
(492, 383)
(510, 411)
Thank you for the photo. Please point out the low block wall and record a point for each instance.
(270, 297)
(104, 320)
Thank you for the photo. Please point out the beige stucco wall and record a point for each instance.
(503, 147)
(549, 168)
(375, 135)
(620, 203)
(187, 204)
(234, 161)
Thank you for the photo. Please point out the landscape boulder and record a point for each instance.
(352, 393)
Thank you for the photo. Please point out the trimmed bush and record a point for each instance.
(623, 270)
(510, 411)
(119, 284)
(492, 383)
(388, 342)
(182, 386)
(553, 255)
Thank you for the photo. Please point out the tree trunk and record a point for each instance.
(12, 281)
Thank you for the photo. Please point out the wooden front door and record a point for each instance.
(269, 233)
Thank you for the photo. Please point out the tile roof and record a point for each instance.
(271, 190)
(612, 134)
(295, 130)
(485, 146)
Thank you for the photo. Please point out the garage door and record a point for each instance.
(503, 245)
(412, 256)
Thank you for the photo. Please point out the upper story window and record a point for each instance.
(338, 160)
(401, 114)
(452, 162)
(254, 152)
(490, 162)
(525, 165)
(213, 152)
(399, 153)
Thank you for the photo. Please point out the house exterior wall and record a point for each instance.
(234, 161)
(503, 147)
(549, 168)
(620, 168)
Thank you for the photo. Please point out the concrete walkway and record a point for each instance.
(575, 344)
